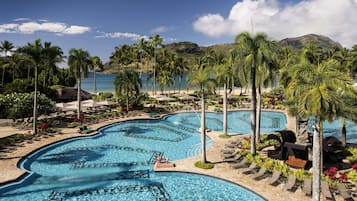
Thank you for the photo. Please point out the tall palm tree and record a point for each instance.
(317, 89)
(251, 51)
(202, 78)
(155, 42)
(79, 61)
(354, 61)
(95, 63)
(34, 51)
(51, 56)
(127, 82)
(223, 74)
(266, 73)
(5, 47)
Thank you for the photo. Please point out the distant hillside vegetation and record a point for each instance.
(319, 40)
(191, 50)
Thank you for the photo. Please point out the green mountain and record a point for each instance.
(319, 40)
(191, 50)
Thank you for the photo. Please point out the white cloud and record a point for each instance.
(127, 35)
(161, 29)
(336, 19)
(32, 26)
(76, 29)
(21, 19)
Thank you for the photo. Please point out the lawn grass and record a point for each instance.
(201, 165)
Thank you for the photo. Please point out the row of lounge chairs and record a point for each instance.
(235, 158)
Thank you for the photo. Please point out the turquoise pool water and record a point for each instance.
(117, 164)
(238, 122)
(334, 128)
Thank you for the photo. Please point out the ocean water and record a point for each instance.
(105, 83)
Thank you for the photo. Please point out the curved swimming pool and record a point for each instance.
(117, 163)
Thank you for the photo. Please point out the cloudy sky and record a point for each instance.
(99, 26)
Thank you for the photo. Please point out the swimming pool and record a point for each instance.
(117, 164)
(334, 128)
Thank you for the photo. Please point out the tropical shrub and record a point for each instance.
(20, 105)
(352, 175)
(353, 155)
(72, 124)
(281, 167)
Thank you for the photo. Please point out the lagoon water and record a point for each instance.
(105, 83)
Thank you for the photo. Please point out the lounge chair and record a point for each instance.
(228, 151)
(233, 159)
(249, 169)
(307, 187)
(241, 164)
(231, 155)
(325, 190)
(274, 178)
(343, 192)
(290, 184)
(260, 173)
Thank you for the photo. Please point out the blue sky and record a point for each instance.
(99, 26)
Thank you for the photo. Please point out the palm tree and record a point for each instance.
(5, 47)
(317, 90)
(354, 61)
(95, 63)
(201, 78)
(34, 52)
(51, 56)
(252, 50)
(155, 42)
(127, 82)
(266, 72)
(78, 62)
(223, 73)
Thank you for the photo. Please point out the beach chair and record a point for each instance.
(325, 190)
(243, 163)
(260, 174)
(290, 184)
(274, 178)
(231, 155)
(343, 192)
(233, 159)
(249, 169)
(307, 187)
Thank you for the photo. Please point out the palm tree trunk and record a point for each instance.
(316, 166)
(225, 109)
(259, 111)
(127, 102)
(34, 121)
(95, 82)
(28, 72)
(344, 132)
(154, 81)
(180, 80)
(253, 116)
(79, 97)
(203, 128)
(3, 76)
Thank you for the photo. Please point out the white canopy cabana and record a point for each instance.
(186, 97)
(106, 103)
(162, 98)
